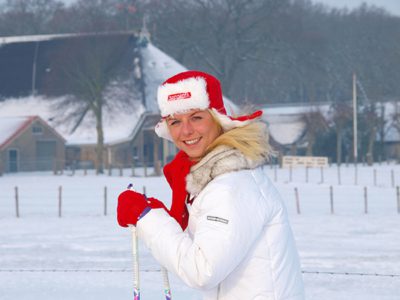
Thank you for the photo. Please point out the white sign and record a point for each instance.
(304, 161)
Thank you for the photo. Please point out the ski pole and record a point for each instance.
(135, 256)
(167, 288)
(164, 272)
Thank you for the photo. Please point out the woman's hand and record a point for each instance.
(132, 206)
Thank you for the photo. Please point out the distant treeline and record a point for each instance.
(264, 51)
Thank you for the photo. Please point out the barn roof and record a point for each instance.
(12, 127)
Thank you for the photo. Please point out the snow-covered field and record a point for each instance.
(86, 255)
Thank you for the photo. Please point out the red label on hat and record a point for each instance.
(179, 96)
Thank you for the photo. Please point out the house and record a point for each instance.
(129, 136)
(29, 143)
(287, 127)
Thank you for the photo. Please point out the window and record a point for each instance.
(37, 129)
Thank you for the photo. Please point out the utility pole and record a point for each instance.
(355, 148)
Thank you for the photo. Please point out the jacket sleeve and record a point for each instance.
(229, 222)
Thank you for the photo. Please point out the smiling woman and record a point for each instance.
(193, 132)
(227, 232)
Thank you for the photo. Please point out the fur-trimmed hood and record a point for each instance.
(221, 160)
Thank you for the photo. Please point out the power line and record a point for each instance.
(158, 270)
(350, 273)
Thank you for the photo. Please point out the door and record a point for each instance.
(45, 155)
(13, 160)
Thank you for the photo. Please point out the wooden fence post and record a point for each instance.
(398, 199)
(355, 174)
(145, 169)
(322, 175)
(144, 190)
(16, 202)
(339, 175)
(307, 174)
(392, 177)
(375, 177)
(105, 201)
(296, 192)
(133, 168)
(365, 200)
(331, 197)
(59, 201)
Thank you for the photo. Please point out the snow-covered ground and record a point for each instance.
(86, 255)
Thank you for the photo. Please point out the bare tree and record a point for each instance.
(342, 114)
(87, 68)
(315, 124)
(22, 17)
(221, 34)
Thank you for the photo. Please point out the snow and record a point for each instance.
(157, 67)
(285, 124)
(285, 129)
(33, 38)
(88, 256)
(48, 37)
(295, 109)
(10, 125)
(118, 123)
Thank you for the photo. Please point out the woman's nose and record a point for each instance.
(187, 128)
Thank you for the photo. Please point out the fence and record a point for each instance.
(60, 198)
(58, 167)
(300, 200)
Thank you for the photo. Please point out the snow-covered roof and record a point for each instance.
(295, 109)
(285, 129)
(156, 67)
(10, 126)
(118, 124)
(390, 109)
(48, 37)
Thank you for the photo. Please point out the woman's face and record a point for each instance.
(193, 132)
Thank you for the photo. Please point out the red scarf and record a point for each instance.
(175, 172)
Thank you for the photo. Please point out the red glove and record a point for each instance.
(132, 206)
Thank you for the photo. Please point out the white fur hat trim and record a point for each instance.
(183, 96)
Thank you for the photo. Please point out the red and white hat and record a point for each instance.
(195, 90)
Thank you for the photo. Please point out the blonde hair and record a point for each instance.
(252, 140)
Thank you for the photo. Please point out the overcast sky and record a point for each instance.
(392, 6)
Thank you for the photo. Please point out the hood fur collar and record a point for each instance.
(221, 160)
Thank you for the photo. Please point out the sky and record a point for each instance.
(392, 6)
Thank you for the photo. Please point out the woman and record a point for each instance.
(236, 242)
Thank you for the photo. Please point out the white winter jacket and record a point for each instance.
(238, 244)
